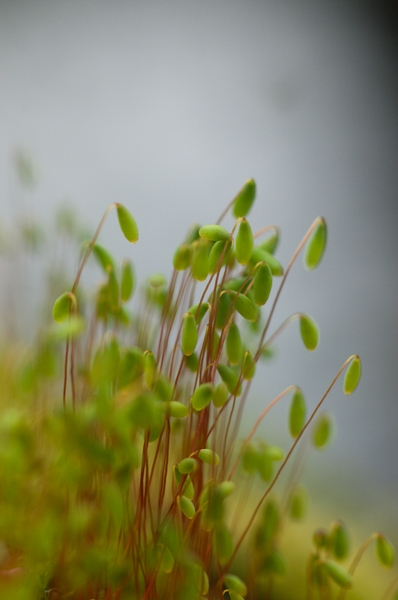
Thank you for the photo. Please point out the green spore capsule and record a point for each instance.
(177, 409)
(298, 505)
(230, 378)
(264, 465)
(127, 223)
(297, 413)
(274, 452)
(150, 369)
(259, 255)
(352, 375)
(275, 563)
(103, 257)
(249, 458)
(189, 334)
(223, 311)
(248, 366)
(244, 242)
(187, 506)
(270, 244)
(199, 311)
(182, 257)
(220, 394)
(243, 305)
(113, 287)
(271, 521)
(235, 583)
(187, 487)
(220, 248)
(214, 233)
(202, 396)
(187, 465)
(262, 284)
(339, 540)
(192, 362)
(234, 344)
(163, 388)
(208, 456)
(200, 260)
(309, 332)
(337, 573)
(127, 281)
(322, 431)
(226, 488)
(384, 551)
(157, 281)
(167, 559)
(143, 411)
(223, 543)
(316, 246)
(244, 199)
(62, 306)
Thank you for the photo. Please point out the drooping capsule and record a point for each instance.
(208, 456)
(322, 431)
(200, 260)
(339, 540)
(337, 573)
(262, 284)
(230, 378)
(243, 305)
(234, 344)
(214, 233)
(271, 243)
(127, 223)
(182, 257)
(297, 413)
(309, 332)
(189, 334)
(62, 306)
(223, 311)
(220, 394)
(352, 375)
(219, 255)
(384, 551)
(244, 199)
(298, 504)
(127, 281)
(260, 255)
(103, 257)
(202, 396)
(248, 366)
(187, 506)
(244, 242)
(316, 245)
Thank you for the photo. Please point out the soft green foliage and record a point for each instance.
(121, 476)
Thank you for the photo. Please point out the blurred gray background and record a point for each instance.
(168, 107)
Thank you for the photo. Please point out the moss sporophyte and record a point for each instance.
(132, 486)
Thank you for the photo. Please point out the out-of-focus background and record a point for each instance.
(168, 107)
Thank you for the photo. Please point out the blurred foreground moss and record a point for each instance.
(121, 473)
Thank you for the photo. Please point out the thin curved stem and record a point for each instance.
(288, 455)
(289, 266)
